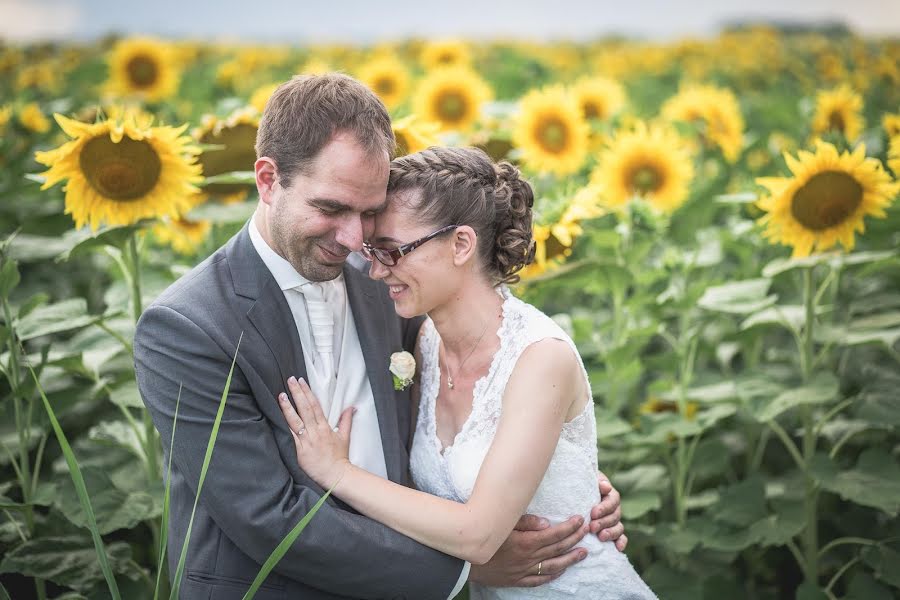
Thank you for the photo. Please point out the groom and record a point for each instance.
(280, 298)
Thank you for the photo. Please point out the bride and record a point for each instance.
(505, 421)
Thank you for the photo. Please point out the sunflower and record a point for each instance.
(654, 405)
(840, 110)
(825, 200)
(451, 97)
(551, 131)
(234, 140)
(120, 172)
(314, 66)
(413, 135)
(648, 162)
(445, 53)
(262, 94)
(182, 235)
(717, 112)
(553, 242)
(891, 124)
(32, 119)
(143, 67)
(599, 97)
(386, 76)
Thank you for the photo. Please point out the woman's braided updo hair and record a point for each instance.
(462, 186)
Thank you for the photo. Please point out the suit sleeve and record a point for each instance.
(249, 492)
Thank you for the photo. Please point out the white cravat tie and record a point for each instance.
(321, 325)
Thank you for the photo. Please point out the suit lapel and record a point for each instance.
(371, 327)
(269, 311)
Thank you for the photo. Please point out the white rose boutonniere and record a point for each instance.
(403, 367)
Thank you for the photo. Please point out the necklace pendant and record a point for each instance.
(449, 382)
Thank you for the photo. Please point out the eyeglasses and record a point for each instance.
(390, 257)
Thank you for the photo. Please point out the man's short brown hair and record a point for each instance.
(303, 115)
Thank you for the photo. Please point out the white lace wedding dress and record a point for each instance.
(570, 485)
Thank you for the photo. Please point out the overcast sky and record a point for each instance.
(369, 20)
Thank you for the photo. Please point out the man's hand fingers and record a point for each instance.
(559, 533)
(558, 564)
(562, 547)
(608, 522)
(535, 581)
(531, 523)
(622, 542)
(607, 506)
(611, 533)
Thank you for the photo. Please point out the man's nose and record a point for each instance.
(350, 233)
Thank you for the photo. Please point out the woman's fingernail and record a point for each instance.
(582, 555)
(292, 379)
(283, 397)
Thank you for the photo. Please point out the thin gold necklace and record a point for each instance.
(459, 368)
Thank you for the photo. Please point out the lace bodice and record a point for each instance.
(569, 486)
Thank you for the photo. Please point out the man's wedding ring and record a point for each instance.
(301, 431)
(540, 564)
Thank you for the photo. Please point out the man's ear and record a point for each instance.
(465, 245)
(266, 175)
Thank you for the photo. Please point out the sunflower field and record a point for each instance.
(717, 227)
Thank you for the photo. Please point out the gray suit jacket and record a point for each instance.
(254, 492)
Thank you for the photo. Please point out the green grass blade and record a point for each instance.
(164, 526)
(282, 548)
(179, 571)
(4, 595)
(81, 490)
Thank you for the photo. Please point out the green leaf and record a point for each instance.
(741, 504)
(34, 248)
(117, 433)
(4, 595)
(239, 177)
(791, 316)
(126, 395)
(637, 504)
(215, 212)
(83, 498)
(782, 265)
(879, 408)
(864, 587)
(822, 389)
(115, 508)
(69, 561)
(83, 240)
(884, 561)
(9, 277)
(610, 425)
(810, 591)
(739, 297)
(739, 198)
(875, 481)
(54, 318)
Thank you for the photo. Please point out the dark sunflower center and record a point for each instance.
(592, 110)
(142, 71)
(836, 121)
(446, 58)
(238, 152)
(645, 179)
(552, 134)
(554, 247)
(451, 106)
(126, 171)
(385, 86)
(826, 200)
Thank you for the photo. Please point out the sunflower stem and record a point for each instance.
(810, 533)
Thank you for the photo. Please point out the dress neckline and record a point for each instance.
(478, 388)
